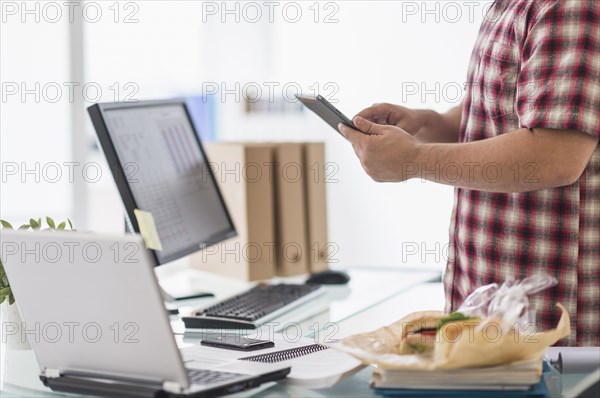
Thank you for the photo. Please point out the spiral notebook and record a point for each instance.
(284, 355)
(313, 365)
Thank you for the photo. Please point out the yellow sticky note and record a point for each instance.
(148, 229)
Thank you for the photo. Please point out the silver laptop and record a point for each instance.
(94, 315)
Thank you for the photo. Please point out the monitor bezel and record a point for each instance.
(97, 113)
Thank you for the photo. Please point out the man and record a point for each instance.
(521, 150)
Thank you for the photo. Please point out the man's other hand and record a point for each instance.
(426, 126)
(410, 120)
(386, 153)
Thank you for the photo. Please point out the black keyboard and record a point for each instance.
(203, 376)
(258, 302)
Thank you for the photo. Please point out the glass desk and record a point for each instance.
(375, 297)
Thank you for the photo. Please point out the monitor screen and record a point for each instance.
(160, 167)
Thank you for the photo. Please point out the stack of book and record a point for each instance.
(522, 379)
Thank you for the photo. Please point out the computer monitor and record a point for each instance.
(160, 167)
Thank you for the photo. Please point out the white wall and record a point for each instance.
(34, 119)
(373, 50)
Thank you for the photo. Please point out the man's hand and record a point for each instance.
(409, 120)
(424, 125)
(383, 150)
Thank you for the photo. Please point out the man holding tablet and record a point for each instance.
(523, 147)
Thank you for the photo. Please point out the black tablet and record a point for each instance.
(325, 110)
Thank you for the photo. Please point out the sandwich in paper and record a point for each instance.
(489, 329)
(459, 342)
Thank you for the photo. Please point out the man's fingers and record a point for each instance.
(348, 132)
(378, 113)
(368, 113)
(367, 126)
(354, 136)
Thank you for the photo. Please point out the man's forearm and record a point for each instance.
(440, 128)
(519, 161)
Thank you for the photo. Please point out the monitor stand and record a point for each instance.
(172, 299)
(168, 298)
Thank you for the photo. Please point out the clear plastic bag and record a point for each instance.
(508, 302)
(505, 306)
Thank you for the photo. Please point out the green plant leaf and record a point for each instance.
(25, 226)
(61, 226)
(39, 220)
(50, 222)
(3, 278)
(70, 223)
(6, 224)
(5, 291)
(34, 224)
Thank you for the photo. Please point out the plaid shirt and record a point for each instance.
(536, 64)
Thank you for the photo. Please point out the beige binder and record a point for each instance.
(316, 206)
(290, 209)
(244, 174)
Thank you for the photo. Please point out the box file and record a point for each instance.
(316, 205)
(290, 209)
(244, 174)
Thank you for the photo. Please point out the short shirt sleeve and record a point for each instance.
(559, 81)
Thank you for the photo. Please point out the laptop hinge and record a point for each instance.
(89, 384)
(81, 375)
(172, 387)
(52, 373)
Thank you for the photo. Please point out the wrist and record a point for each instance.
(420, 155)
(431, 124)
(425, 153)
(424, 120)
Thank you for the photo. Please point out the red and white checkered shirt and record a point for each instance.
(536, 64)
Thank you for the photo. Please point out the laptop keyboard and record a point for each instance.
(204, 376)
(258, 301)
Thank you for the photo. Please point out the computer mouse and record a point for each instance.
(329, 277)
